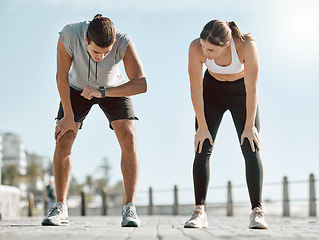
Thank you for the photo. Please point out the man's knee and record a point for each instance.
(126, 134)
(66, 142)
(128, 139)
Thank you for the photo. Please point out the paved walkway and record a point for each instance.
(160, 228)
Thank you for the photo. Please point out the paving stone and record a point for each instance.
(160, 228)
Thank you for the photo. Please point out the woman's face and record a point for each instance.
(212, 51)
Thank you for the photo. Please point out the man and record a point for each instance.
(94, 50)
(50, 195)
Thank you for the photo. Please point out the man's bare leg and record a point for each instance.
(62, 165)
(125, 132)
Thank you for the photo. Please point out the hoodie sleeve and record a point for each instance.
(67, 36)
(123, 41)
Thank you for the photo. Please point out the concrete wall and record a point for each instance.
(9, 202)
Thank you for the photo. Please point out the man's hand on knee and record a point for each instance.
(63, 125)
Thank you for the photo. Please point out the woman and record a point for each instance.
(230, 83)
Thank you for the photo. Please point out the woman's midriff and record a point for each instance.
(227, 77)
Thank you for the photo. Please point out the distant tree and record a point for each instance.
(116, 194)
(50, 169)
(100, 184)
(33, 171)
(10, 175)
(74, 187)
(104, 170)
(118, 187)
(89, 182)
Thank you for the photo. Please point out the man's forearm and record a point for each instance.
(133, 87)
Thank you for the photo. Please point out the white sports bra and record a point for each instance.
(236, 65)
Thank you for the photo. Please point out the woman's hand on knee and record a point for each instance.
(201, 135)
(252, 135)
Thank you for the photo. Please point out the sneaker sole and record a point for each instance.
(130, 224)
(47, 222)
(260, 226)
(194, 226)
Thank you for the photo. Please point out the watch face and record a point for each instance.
(102, 90)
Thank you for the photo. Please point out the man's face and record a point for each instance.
(97, 53)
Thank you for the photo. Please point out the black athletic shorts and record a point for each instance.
(114, 108)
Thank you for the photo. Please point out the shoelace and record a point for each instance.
(195, 213)
(259, 212)
(129, 212)
(54, 209)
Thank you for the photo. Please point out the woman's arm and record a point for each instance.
(195, 66)
(251, 80)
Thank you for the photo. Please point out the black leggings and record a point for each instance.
(219, 97)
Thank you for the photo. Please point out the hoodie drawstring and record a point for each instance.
(90, 69)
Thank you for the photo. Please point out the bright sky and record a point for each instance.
(287, 38)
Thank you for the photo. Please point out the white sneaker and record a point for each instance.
(129, 216)
(257, 220)
(57, 216)
(198, 218)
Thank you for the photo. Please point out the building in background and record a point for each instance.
(13, 153)
(1, 147)
(39, 170)
(27, 171)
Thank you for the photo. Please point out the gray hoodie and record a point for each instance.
(108, 73)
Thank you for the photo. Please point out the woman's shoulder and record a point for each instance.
(195, 51)
(245, 45)
(195, 44)
(245, 48)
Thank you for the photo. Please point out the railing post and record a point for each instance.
(104, 202)
(312, 196)
(31, 204)
(286, 212)
(45, 207)
(175, 206)
(83, 204)
(150, 204)
(229, 200)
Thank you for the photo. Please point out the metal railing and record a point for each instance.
(229, 204)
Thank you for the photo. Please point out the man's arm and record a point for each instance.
(134, 71)
(64, 61)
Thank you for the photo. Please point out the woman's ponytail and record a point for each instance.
(237, 33)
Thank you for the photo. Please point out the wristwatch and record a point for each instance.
(102, 90)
